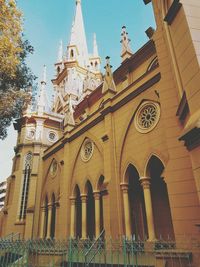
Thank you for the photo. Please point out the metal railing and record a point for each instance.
(185, 252)
(96, 246)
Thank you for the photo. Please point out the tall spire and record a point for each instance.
(125, 41)
(95, 47)
(77, 48)
(42, 104)
(60, 52)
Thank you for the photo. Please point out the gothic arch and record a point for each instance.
(126, 130)
(87, 182)
(156, 154)
(96, 185)
(48, 169)
(153, 64)
(138, 220)
(97, 145)
(125, 166)
(74, 190)
(160, 199)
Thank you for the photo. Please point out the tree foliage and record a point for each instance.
(16, 78)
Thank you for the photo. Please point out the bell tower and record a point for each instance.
(37, 129)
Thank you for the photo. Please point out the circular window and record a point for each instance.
(147, 117)
(54, 168)
(30, 134)
(87, 150)
(52, 136)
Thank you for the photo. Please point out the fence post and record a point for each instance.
(70, 253)
(124, 250)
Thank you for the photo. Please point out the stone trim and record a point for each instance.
(191, 139)
(183, 109)
(173, 11)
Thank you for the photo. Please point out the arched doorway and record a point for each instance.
(136, 203)
(160, 200)
(45, 217)
(90, 211)
(78, 213)
(53, 217)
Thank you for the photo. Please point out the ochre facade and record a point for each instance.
(126, 157)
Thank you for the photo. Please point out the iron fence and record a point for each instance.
(185, 252)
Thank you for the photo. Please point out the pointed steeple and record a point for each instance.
(95, 47)
(77, 48)
(60, 52)
(125, 41)
(108, 84)
(42, 104)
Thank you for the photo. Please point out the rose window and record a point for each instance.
(147, 117)
(87, 150)
(52, 136)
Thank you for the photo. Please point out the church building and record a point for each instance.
(117, 153)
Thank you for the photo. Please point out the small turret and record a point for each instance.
(95, 60)
(60, 52)
(77, 49)
(69, 116)
(125, 41)
(42, 104)
(108, 84)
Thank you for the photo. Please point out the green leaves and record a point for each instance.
(15, 77)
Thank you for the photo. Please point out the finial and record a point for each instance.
(108, 84)
(95, 47)
(60, 52)
(69, 115)
(125, 41)
(44, 76)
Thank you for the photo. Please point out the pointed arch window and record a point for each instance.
(25, 186)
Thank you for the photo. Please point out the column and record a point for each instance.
(42, 222)
(145, 182)
(124, 188)
(97, 213)
(72, 223)
(84, 216)
(49, 221)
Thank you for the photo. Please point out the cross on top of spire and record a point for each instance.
(78, 1)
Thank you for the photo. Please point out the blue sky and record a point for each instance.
(46, 22)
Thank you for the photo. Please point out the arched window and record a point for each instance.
(102, 192)
(53, 217)
(58, 70)
(160, 199)
(72, 54)
(78, 212)
(45, 217)
(90, 211)
(138, 218)
(25, 186)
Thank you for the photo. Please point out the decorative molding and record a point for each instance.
(146, 1)
(191, 138)
(173, 11)
(183, 109)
